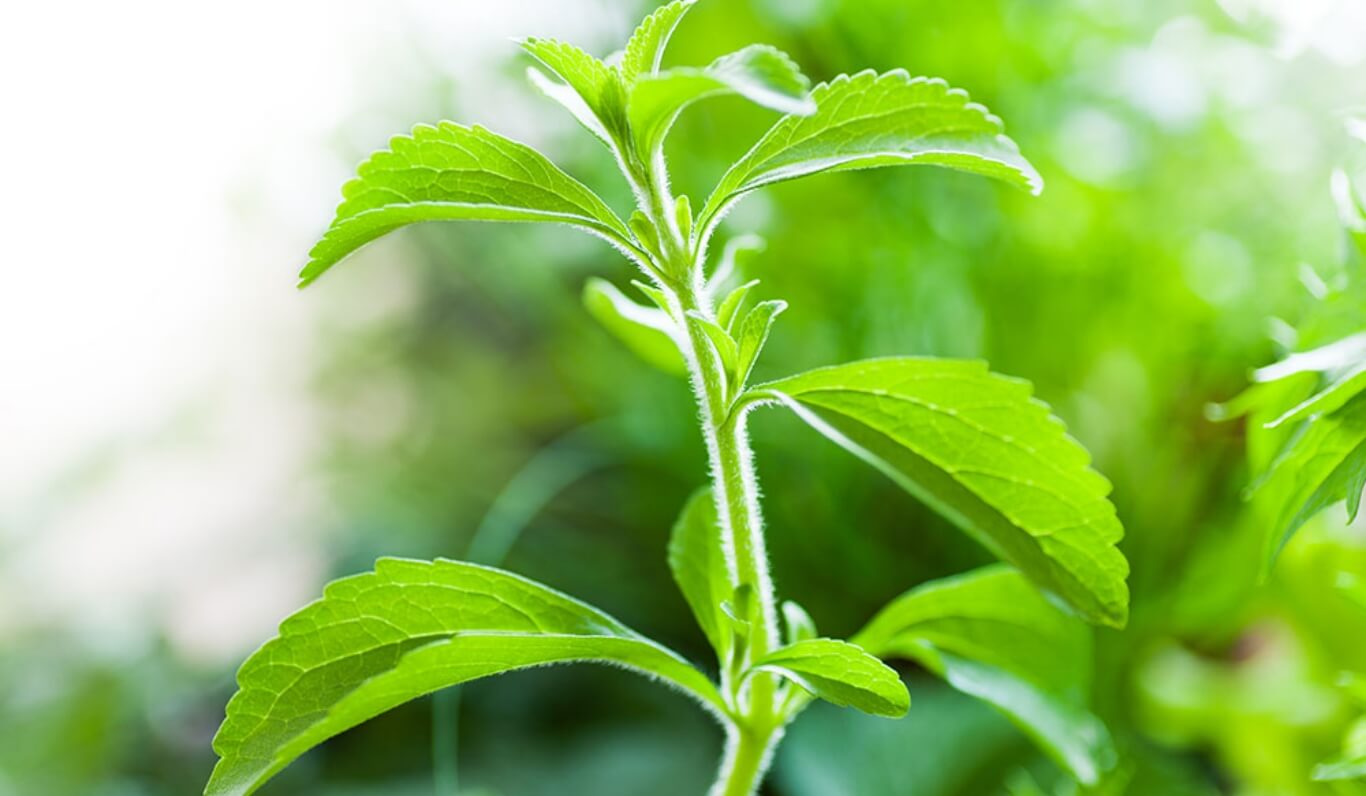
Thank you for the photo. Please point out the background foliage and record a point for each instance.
(1187, 168)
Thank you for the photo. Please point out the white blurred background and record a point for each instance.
(167, 166)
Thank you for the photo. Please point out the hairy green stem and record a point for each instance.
(754, 727)
(737, 502)
(748, 753)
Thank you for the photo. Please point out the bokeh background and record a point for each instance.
(190, 448)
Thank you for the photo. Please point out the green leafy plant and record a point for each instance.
(974, 445)
(1306, 414)
(1306, 437)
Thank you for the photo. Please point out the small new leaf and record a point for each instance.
(646, 47)
(645, 330)
(730, 305)
(870, 120)
(408, 629)
(683, 216)
(990, 634)
(977, 448)
(761, 74)
(699, 566)
(840, 673)
(720, 339)
(753, 335)
(589, 90)
(451, 172)
(1341, 367)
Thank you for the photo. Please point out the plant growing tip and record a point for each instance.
(975, 446)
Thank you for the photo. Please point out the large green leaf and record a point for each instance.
(761, 74)
(840, 673)
(452, 172)
(979, 449)
(410, 628)
(989, 633)
(698, 563)
(646, 46)
(870, 120)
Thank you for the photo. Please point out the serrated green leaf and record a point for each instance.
(589, 89)
(761, 74)
(979, 449)
(870, 120)
(840, 673)
(798, 622)
(753, 335)
(699, 566)
(1323, 463)
(991, 634)
(645, 330)
(646, 47)
(452, 172)
(410, 628)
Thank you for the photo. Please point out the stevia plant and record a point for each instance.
(972, 444)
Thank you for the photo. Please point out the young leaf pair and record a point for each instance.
(973, 445)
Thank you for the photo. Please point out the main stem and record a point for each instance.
(749, 742)
(754, 728)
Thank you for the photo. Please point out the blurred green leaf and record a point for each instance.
(699, 566)
(840, 673)
(1322, 464)
(977, 448)
(950, 745)
(410, 628)
(452, 172)
(647, 331)
(761, 74)
(1351, 764)
(990, 634)
(799, 625)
